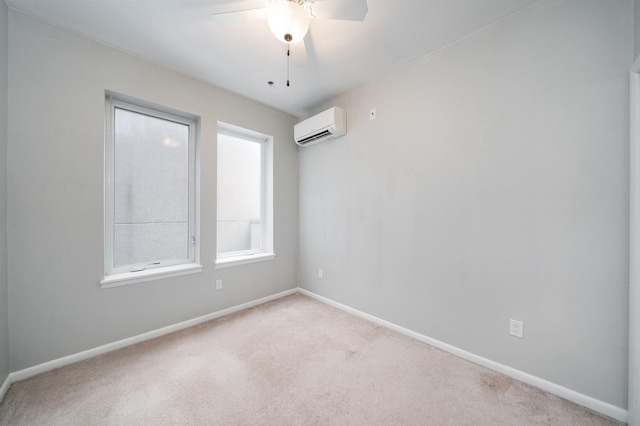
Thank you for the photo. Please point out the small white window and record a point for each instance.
(150, 193)
(245, 207)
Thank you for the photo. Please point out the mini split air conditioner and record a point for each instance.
(327, 125)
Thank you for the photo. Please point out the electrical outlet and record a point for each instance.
(218, 284)
(320, 273)
(516, 328)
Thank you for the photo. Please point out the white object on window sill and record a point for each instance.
(228, 262)
(127, 278)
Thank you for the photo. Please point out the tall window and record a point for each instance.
(244, 230)
(150, 191)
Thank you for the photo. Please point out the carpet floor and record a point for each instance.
(293, 361)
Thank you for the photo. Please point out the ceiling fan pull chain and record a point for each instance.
(288, 66)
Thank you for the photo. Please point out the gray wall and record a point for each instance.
(636, 28)
(4, 309)
(492, 185)
(55, 209)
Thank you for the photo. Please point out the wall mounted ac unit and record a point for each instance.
(327, 125)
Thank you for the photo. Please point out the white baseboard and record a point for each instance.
(80, 356)
(602, 407)
(5, 387)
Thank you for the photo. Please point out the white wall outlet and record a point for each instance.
(218, 284)
(516, 328)
(372, 114)
(320, 273)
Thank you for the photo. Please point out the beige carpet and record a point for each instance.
(294, 361)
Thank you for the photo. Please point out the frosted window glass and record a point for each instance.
(239, 194)
(151, 189)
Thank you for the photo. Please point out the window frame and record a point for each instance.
(266, 251)
(157, 269)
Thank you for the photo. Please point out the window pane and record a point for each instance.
(239, 194)
(151, 181)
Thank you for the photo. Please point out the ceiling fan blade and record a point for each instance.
(346, 10)
(299, 55)
(240, 16)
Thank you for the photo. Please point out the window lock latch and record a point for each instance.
(193, 241)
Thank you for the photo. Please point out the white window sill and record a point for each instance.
(127, 278)
(227, 262)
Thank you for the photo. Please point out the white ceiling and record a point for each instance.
(181, 35)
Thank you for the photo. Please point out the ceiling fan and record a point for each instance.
(289, 19)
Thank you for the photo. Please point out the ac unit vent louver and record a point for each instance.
(314, 137)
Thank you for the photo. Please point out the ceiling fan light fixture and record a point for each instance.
(288, 21)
